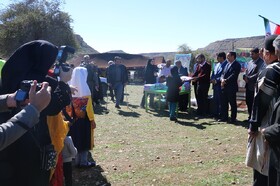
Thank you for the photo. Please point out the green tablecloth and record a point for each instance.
(159, 92)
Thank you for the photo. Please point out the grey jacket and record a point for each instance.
(69, 151)
(11, 130)
(252, 71)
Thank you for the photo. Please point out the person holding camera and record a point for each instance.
(20, 123)
(30, 159)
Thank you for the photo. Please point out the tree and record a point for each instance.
(28, 20)
(184, 49)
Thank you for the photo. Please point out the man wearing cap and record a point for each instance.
(266, 94)
(250, 77)
(117, 77)
(92, 78)
(271, 133)
(110, 87)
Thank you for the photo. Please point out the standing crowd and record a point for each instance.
(47, 117)
(262, 82)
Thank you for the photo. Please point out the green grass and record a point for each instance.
(135, 147)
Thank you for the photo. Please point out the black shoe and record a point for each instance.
(232, 121)
(173, 119)
(88, 165)
(118, 107)
(152, 106)
(222, 120)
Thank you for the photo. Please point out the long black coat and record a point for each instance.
(149, 74)
(20, 162)
(272, 135)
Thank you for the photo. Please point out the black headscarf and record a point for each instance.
(174, 71)
(149, 73)
(31, 61)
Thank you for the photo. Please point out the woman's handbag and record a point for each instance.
(257, 156)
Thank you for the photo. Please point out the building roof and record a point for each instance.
(131, 61)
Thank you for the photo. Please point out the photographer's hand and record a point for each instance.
(11, 102)
(42, 98)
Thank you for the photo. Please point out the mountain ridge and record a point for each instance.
(212, 48)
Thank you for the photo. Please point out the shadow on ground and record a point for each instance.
(89, 176)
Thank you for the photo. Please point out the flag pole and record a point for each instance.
(269, 20)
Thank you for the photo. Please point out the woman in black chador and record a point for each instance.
(150, 77)
(21, 163)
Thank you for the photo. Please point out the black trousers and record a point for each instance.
(202, 98)
(67, 172)
(183, 102)
(228, 96)
(111, 93)
(195, 89)
(249, 101)
(259, 179)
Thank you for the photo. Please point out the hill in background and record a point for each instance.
(84, 47)
(140, 60)
(225, 45)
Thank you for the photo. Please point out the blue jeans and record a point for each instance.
(118, 88)
(172, 109)
(82, 158)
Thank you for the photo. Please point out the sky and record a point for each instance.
(145, 26)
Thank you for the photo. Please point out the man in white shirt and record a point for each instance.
(165, 70)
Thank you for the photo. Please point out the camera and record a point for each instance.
(61, 59)
(23, 93)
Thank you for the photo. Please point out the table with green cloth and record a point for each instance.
(160, 92)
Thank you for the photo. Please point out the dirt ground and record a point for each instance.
(135, 147)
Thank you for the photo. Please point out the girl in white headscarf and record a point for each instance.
(83, 129)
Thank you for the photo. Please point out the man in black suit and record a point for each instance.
(229, 87)
(250, 77)
(202, 78)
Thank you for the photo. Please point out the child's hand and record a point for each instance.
(93, 124)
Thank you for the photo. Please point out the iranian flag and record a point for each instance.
(271, 28)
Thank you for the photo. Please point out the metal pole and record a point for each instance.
(269, 20)
(126, 97)
(107, 99)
